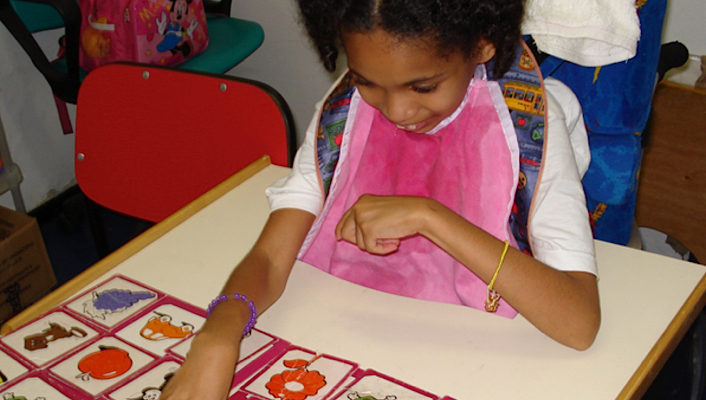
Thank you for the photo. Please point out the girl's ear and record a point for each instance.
(486, 51)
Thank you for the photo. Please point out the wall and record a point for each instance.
(684, 22)
(30, 119)
(285, 61)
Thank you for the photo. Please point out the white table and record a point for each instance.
(648, 302)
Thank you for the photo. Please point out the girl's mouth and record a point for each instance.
(415, 128)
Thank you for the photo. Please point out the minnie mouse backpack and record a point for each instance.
(158, 32)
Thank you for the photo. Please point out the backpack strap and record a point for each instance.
(332, 121)
(524, 93)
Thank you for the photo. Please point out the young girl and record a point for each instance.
(420, 161)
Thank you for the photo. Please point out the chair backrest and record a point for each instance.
(149, 140)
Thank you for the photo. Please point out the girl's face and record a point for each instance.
(408, 81)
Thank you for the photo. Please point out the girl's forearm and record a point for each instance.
(564, 305)
(263, 273)
(261, 276)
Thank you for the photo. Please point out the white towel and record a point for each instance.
(586, 32)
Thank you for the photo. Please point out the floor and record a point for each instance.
(71, 249)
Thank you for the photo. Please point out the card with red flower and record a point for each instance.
(298, 374)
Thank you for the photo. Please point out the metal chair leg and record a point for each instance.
(95, 220)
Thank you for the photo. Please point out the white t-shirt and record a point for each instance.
(559, 227)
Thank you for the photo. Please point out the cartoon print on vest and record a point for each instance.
(332, 121)
(524, 96)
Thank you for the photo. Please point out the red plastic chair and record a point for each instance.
(149, 140)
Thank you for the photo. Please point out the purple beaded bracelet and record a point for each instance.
(237, 296)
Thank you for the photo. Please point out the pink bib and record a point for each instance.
(470, 165)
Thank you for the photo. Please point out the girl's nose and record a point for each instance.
(397, 109)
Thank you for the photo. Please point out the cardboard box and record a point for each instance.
(25, 271)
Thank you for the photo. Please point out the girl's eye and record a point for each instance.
(424, 89)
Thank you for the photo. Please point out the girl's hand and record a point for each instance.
(377, 223)
(208, 371)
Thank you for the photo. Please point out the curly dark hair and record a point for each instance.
(451, 25)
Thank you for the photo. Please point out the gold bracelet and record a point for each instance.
(491, 302)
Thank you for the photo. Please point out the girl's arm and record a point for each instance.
(261, 276)
(564, 305)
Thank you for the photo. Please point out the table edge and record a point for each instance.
(113, 259)
(654, 361)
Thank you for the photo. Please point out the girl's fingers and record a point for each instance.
(387, 246)
(374, 218)
(339, 226)
(349, 231)
(359, 237)
(345, 229)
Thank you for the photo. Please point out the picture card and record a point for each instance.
(162, 327)
(113, 301)
(251, 346)
(298, 373)
(149, 385)
(31, 389)
(49, 337)
(9, 368)
(103, 364)
(372, 385)
(257, 351)
(254, 343)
